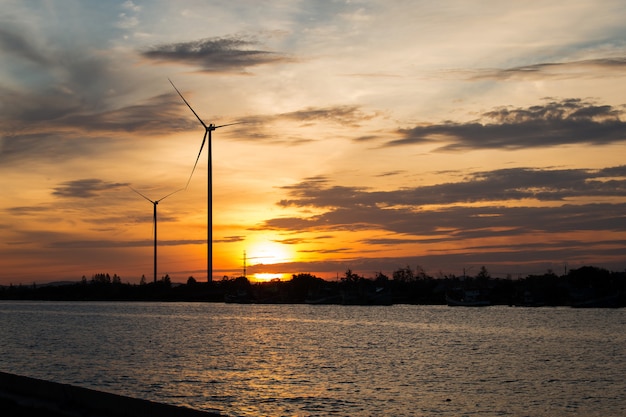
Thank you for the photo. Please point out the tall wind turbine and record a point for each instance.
(207, 133)
(154, 222)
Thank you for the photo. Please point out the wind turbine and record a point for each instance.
(207, 133)
(154, 220)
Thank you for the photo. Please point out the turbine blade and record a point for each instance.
(188, 105)
(197, 159)
(173, 192)
(141, 194)
(230, 124)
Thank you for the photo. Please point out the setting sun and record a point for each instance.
(268, 253)
(267, 276)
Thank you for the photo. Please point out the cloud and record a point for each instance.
(344, 115)
(216, 54)
(261, 127)
(127, 20)
(505, 202)
(456, 224)
(74, 133)
(56, 75)
(37, 148)
(230, 239)
(129, 5)
(158, 114)
(100, 243)
(593, 68)
(85, 188)
(569, 121)
(27, 210)
(485, 186)
(13, 42)
(69, 95)
(514, 259)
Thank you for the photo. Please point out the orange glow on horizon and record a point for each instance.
(267, 251)
(264, 277)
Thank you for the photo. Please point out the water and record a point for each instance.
(300, 360)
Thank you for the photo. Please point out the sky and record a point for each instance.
(372, 135)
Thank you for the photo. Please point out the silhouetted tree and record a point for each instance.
(381, 278)
(404, 274)
(350, 277)
(166, 280)
(420, 273)
(483, 273)
(302, 285)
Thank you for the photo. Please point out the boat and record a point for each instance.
(609, 301)
(466, 298)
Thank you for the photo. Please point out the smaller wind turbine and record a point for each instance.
(154, 222)
(207, 133)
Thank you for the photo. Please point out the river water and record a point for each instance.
(301, 360)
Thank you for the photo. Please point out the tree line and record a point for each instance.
(587, 286)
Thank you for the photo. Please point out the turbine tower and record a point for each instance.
(207, 133)
(154, 223)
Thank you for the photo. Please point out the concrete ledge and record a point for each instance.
(26, 396)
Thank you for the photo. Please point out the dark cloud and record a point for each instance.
(159, 114)
(230, 239)
(104, 243)
(460, 224)
(13, 42)
(589, 68)
(343, 115)
(514, 259)
(71, 132)
(216, 54)
(292, 241)
(23, 108)
(260, 128)
(497, 185)
(70, 94)
(570, 121)
(390, 173)
(367, 138)
(37, 148)
(62, 114)
(85, 188)
(60, 79)
(27, 210)
(75, 133)
(513, 202)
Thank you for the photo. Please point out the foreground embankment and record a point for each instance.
(25, 397)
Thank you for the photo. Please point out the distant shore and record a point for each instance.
(585, 287)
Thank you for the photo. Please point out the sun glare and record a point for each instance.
(269, 276)
(268, 253)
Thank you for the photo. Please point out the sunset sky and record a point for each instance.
(379, 134)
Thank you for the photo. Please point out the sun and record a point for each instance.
(268, 253)
(266, 276)
(265, 251)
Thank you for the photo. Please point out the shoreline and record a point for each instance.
(22, 396)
